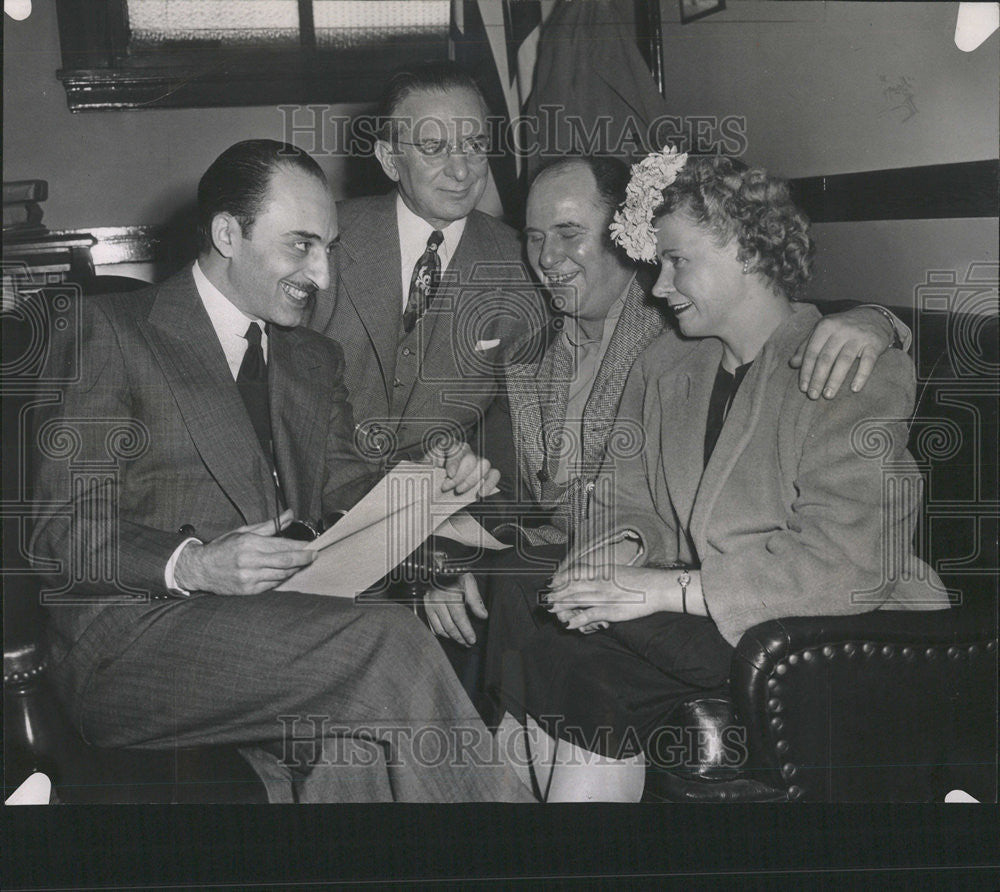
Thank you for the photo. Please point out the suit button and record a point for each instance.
(407, 351)
(397, 383)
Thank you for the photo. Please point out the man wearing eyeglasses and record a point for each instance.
(428, 290)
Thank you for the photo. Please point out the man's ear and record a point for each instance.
(225, 230)
(387, 158)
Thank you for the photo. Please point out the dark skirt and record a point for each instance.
(609, 692)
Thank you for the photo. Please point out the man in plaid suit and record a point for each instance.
(166, 628)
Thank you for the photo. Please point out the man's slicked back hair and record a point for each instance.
(237, 181)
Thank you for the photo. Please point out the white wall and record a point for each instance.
(111, 168)
(810, 80)
(805, 75)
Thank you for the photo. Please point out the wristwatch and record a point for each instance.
(897, 341)
(684, 580)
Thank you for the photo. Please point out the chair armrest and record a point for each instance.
(887, 705)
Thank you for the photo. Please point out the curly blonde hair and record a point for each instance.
(736, 202)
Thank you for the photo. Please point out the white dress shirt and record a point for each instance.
(413, 234)
(228, 320)
(230, 324)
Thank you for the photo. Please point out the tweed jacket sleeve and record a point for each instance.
(624, 498)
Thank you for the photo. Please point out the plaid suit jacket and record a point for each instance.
(150, 433)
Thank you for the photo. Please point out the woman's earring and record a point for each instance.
(746, 267)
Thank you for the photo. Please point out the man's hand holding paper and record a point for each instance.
(406, 506)
(464, 469)
(246, 561)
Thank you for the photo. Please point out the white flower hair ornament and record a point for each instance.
(632, 226)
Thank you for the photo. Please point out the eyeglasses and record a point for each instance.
(475, 148)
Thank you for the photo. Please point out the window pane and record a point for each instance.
(239, 22)
(342, 24)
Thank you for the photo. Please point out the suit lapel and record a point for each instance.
(369, 271)
(299, 416)
(684, 392)
(637, 326)
(535, 399)
(741, 423)
(556, 371)
(526, 421)
(192, 360)
(744, 416)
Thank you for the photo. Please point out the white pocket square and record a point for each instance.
(482, 346)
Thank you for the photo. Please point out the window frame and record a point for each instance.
(100, 72)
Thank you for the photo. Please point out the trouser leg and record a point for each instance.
(467, 662)
(293, 670)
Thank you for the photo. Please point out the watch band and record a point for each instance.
(897, 341)
(684, 580)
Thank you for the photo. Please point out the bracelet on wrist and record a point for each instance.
(684, 580)
(897, 342)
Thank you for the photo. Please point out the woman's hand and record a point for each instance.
(591, 594)
(587, 594)
(447, 610)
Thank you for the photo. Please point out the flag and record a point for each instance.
(498, 43)
(593, 91)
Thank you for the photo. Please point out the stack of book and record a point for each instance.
(22, 208)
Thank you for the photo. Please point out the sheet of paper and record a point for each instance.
(462, 527)
(384, 528)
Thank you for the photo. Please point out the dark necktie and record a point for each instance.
(423, 282)
(252, 383)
